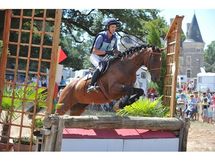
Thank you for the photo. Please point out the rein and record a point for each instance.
(150, 61)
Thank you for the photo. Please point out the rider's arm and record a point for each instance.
(98, 52)
(97, 46)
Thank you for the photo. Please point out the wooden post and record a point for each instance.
(3, 60)
(173, 49)
(54, 61)
(50, 139)
(183, 134)
(59, 136)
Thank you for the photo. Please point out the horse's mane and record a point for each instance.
(135, 49)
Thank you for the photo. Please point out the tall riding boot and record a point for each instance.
(93, 86)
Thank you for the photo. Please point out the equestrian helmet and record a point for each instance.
(111, 21)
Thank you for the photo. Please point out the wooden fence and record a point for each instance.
(54, 125)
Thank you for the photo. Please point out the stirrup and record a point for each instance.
(92, 88)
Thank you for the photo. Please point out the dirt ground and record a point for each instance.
(201, 137)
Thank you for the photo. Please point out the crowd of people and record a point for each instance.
(41, 81)
(196, 105)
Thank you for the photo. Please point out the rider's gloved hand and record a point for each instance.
(119, 54)
(109, 53)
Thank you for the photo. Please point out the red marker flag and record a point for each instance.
(62, 56)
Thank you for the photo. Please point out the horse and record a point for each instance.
(116, 83)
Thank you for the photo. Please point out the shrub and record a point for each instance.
(146, 108)
(38, 123)
(24, 140)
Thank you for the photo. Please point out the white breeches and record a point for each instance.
(95, 59)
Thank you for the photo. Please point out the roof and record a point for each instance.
(194, 31)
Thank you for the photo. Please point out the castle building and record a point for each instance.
(192, 50)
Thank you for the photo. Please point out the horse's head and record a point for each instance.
(148, 56)
(154, 63)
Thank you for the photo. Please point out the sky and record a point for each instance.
(205, 18)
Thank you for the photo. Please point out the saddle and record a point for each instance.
(103, 68)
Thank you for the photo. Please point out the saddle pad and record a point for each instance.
(88, 76)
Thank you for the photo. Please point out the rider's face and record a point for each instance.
(112, 29)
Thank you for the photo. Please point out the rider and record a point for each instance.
(105, 43)
(181, 100)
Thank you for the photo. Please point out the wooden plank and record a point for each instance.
(28, 58)
(172, 43)
(173, 46)
(170, 54)
(59, 137)
(33, 45)
(176, 60)
(167, 96)
(168, 86)
(3, 60)
(172, 27)
(54, 60)
(110, 122)
(183, 134)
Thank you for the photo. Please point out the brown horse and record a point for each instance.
(115, 83)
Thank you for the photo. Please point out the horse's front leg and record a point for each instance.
(137, 92)
(132, 95)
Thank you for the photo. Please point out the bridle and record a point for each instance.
(150, 61)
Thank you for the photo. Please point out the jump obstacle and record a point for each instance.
(58, 130)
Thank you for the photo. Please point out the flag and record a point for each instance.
(62, 56)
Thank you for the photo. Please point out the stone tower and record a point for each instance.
(191, 58)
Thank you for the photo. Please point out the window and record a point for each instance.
(188, 73)
(188, 61)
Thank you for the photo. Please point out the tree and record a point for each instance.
(81, 26)
(209, 57)
(90, 21)
(156, 30)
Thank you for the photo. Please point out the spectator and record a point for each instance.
(198, 102)
(36, 80)
(181, 100)
(62, 82)
(190, 86)
(209, 95)
(151, 97)
(205, 105)
(213, 106)
(44, 82)
(191, 108)
(210, 114)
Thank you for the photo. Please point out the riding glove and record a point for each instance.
(109, 53)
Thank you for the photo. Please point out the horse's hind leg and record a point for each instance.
(77, 109)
